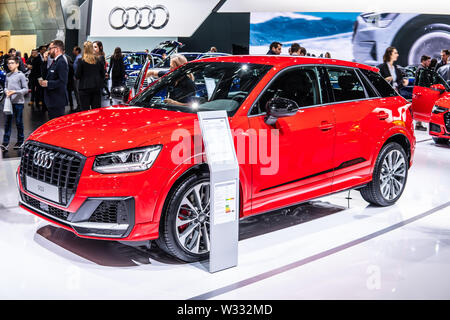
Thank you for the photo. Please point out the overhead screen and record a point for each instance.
(362, 37)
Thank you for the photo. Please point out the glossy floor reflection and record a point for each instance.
(336, 247)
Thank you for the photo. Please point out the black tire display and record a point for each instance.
(184, 231)
(389, 176)
(425, 36)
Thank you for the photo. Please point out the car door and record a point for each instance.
(141, 81)
(359, 122)
(424, 95)
(292, 160)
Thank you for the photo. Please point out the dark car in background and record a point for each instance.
(412, 34)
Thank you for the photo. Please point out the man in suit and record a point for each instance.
(55, 80)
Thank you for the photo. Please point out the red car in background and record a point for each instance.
(431, 104)
(440, 120)
(110, 173)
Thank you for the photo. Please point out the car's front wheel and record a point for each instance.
(389, 177)
(184, 229)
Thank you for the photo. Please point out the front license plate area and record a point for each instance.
(42, 189)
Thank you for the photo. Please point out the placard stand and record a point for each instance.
(224, 183)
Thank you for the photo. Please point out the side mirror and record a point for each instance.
(438, 87)
(120, 93)
(280, 108)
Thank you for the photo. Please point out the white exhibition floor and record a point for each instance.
(357, 252)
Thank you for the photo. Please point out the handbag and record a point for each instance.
(7, 107)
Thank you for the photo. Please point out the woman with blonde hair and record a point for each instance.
(91, 73)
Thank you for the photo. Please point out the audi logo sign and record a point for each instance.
(145, 17)
(43, 159)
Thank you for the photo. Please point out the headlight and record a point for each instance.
(134, 160)
(437, 110)
(379, 20)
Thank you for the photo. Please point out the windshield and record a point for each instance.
(203, 86)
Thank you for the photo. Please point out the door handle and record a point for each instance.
(382, 115)
(326, 126)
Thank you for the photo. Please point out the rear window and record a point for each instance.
(382, 86)
(345, 84)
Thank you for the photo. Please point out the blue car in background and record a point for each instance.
(2, 84)
(134, 61)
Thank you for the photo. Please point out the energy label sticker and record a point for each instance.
(225, 206)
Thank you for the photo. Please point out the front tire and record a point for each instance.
(184, 230)
(389, 177)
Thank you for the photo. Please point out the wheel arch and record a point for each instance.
(403, 141)
(176, 179)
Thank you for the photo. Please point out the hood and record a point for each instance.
(112, 129)
(444, 100)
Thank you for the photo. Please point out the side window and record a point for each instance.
(345, 84)
(427, 78)
(382, 86)
(299, 84)
(367, 85)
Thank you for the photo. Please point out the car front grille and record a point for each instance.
(64, 172)
(447, 121)
(130, 82)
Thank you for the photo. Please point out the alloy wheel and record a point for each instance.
(393, 175)
(193, 219)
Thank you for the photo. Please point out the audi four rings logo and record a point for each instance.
(43, 159)
(139, 17)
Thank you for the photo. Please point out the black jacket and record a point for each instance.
(384, 71)
(55, 94)
(36, 64)
(91, 76)
(118, 69)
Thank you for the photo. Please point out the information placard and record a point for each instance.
(224, 176)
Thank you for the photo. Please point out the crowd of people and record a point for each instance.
(54, 78)
(294, 50)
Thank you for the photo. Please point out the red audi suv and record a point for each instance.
(303, 128)
(440, 120)
(431, 104)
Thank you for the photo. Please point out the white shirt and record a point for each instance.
(393, 74)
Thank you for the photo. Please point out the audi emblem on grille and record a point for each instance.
(139, 17)
(43, 159)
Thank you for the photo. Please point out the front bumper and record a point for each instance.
(440, 125)
(101, 206)
(97, 217)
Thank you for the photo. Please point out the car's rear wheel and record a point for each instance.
(441, 141)
(184, 230)
(389, 177)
